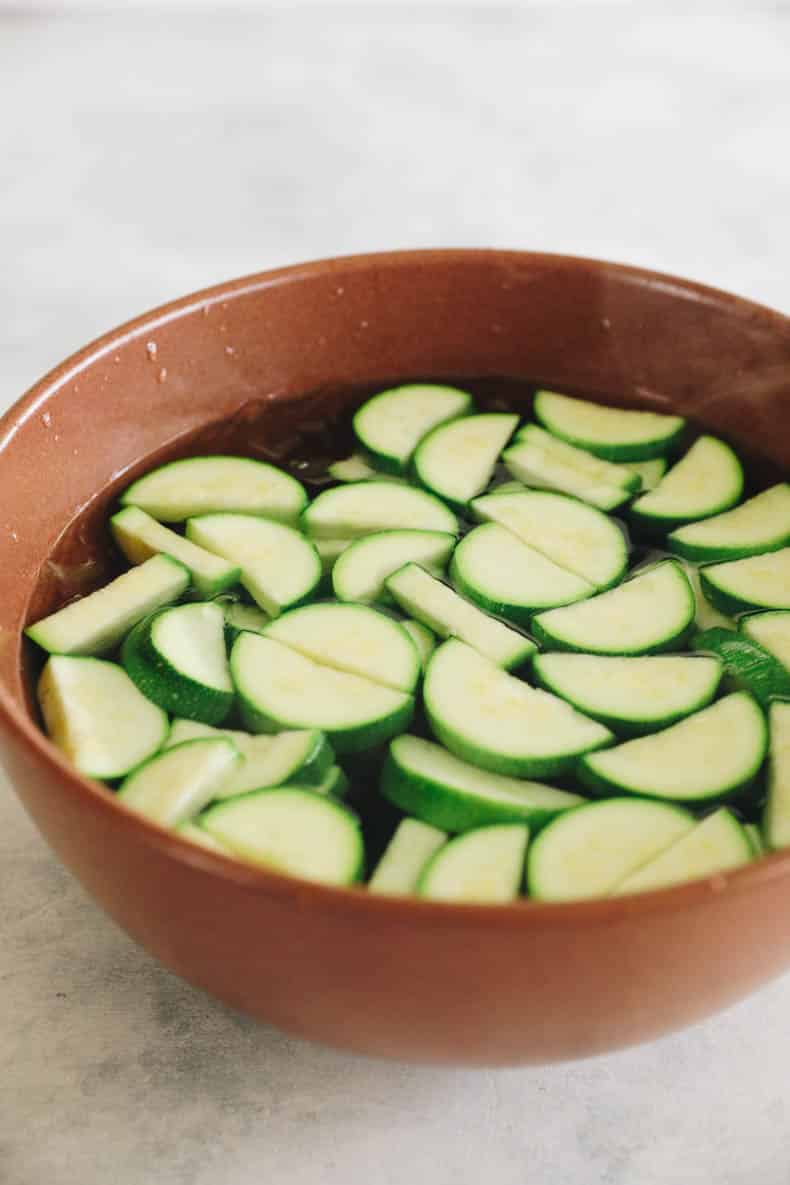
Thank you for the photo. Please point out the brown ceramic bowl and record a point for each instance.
(260, 364)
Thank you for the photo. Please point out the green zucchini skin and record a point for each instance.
(747, 665)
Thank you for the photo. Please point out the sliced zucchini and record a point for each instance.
(240, 617)
(771, 631)
(495, 569)
(760, 524)
(214, 485)
(741, 586)
(615, 433)
(175, 786)
(304, 756)
(346, 512)
(747, 664)
(507, 487)
(197, 835)
(329, 550)
(279, 567)
(360, 572)
(589, 851)
(651, 612)
(177, 658)
(540, 459)
(279, 688)
(334, 783)
(97, 623)
(708, 756)
(776, 818)
(484, 867)
(499, 723)
(96, 715)
(391, 424)
(716, 844)
(353, 468)
(139, 537)
(631, 695)
(426, 781)
(405, 857)
(575, 536)
(706, 481)
(293, 831)
(457, 459)
(423, 638)
(649, 472)
(352, 638)
(448, 615)
(705, 617)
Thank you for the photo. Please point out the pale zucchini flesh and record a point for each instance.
(456, 460)
(390, 425)
(706, 481)
(360, 572)
(760, 524)
(426, 781)
(587, 852)
(651, 612)
(347, 512)
(447, 614)
(239, 617)
(197, 835)
(505, 576)
(139, 537)
(220, 484)
(423, 638)
(95, 714)
(776, 817)
(542, 460)
(497, 722)
(716, 844)
(631, 695)
(353, 468)
(484, 867)
(279, 567)
(705, 615)
(617, 434)
(575, 536)
(175, 786)
(98, 622)
(771, 631)
(648, 472)
(742, 586)
(711, 755)
(303, 756)
(401, 865)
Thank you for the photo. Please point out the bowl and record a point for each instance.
(264, 364)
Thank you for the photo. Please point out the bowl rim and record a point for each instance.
(521, 914)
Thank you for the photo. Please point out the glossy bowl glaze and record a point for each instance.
(267, 360)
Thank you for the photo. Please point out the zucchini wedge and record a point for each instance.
(771, 631)
(716, 844)
(482, 867)
(760, 524)
(347, 512)
(776, 817)
(139, 537)
(542, 460)
(175, 786)
(706, 481)
(747, 665)
(456, 460)
(423, 638)
(405, 857)
(360, 571)
(301, 756)
(742, 586)
(390, 425)
(615, 433)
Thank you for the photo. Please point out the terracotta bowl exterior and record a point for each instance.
(402, 979)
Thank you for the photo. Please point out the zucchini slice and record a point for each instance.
(716, 844)
(279, 567)
(391, 424)
(631, 695)
(96, 715)
(175, 786)
(760, 524)
(97, 623)
(353, 468)
(361, 570)
(212, 485)
(507, 487)
(706, 616)
(740, 586)
(651, 612)
(334, 783)
(706, 481)
(240, 617)
(195, 834)
(426, 781)
(771, 631)
(497, 722)
(709, 756)
(177, 658)
(329, 550)
(279, 689)
(540, 459)
(648, 472)
(587, 852)
(747, 664)
(495, 569)
(405, 857)
(293, 831)
(575, 536)
(351, 638)
(346, 512)
(484, 867)
(448, 615)
(614, 433)
(776, 817)
(423, 638)
(303, 756)
(139, 537)
(456, 460)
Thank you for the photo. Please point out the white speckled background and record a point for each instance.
(148, 152)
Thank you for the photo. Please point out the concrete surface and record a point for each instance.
(142, 156)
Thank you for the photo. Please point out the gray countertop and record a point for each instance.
(145, 155)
